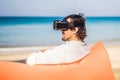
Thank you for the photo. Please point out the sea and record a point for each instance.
(19, 31)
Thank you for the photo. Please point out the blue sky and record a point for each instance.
(59, 7)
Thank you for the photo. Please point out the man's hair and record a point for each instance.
(76, 20)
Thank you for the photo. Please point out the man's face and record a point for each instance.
(67, 35)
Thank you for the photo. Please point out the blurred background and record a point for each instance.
(30, 22)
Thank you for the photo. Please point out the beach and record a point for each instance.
(114, 54)
(20, 54)
(21, 36)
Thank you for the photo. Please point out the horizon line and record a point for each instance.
(55, 16)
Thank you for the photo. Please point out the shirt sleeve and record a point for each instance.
(31, 60)
(51, 56)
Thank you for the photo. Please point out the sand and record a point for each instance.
(19, 53)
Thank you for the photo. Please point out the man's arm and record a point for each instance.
(31, 59)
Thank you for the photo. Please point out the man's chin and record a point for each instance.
(64, 39)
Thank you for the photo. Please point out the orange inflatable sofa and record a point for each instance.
(95, 66)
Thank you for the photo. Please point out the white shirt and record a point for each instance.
(69, 52)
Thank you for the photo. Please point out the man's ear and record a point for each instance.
(75, 30)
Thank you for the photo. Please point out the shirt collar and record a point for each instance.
(76, 42)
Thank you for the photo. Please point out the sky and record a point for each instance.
(59, 7)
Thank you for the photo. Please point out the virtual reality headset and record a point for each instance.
(60, 25)
(65, 25)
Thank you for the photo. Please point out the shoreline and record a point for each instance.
(91, 42)
(21, 50)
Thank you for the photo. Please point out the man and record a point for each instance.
(73, 32)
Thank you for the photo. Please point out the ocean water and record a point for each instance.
(38, 31)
